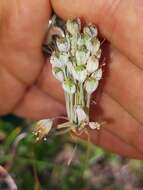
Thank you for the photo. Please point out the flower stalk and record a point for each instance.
(75, 63)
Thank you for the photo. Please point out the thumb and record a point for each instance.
(119, 21)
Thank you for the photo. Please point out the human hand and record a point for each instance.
(28, 89)
(120, 22)
(22, 65)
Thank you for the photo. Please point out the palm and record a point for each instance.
(121, 100)
(29, 89)
(21, 60)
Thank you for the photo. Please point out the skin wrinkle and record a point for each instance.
(42, 109)
(129, 150)
(135, 103)
(20, 37)
(110, 141)
(7, 82)
(14, 39)
(113, 7)
(126, 126)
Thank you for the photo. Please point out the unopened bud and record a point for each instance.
(69, 86)
(91, 85)
(80, 73)
(73, 26)
(92, 64)
(58, 73)
(90, 30)
(62, 45)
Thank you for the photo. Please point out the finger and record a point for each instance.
(22, 33)
(119, 21)
(121, 133)
(38, 105)
(109, 141)
(11, 91)
(124, 83)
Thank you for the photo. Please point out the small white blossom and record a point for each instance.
(80, 73)
(91, 85)
(90, 30)
(82, 56)
(98, 74)
(73, 27)
(62, 45)
(69, 86)
(94, 46)
(94, 125)
(80, 113)
(59, 59)
(92, 64)
(58, 73)
(43, 128)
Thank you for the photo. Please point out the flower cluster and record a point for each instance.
(75, 63)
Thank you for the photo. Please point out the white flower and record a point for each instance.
(91, 85)
(81, 115)
(94, 125)
(73, 41)
(82, 56)
(59, 59)
(80, 73)
(69, 86)
(97, 74)
(58, 73)
(96, 46)
(73, 26)
(90, 30)
(92, 64)
(43, 128)
(62, 45)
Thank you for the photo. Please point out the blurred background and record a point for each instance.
(61, 163)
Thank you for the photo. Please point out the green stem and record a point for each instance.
(88, 101)
(67, 105)
(81, 95)
(71, 108)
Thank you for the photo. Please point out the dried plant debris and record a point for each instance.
(75, 63)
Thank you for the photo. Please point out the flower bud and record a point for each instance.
(91, 85)
(58, 73)
(73, 26)
(97, 74)
(82, 55)
(59, 59)
(92, 64)
(94, 125)
(81, 115)
(80, 73)
(69, 86)
(94, 46)
(62, 45)
(42, 128)
(90, 30)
